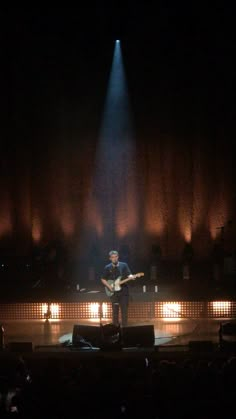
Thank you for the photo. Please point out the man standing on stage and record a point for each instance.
(120, 298)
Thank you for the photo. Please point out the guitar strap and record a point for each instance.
(120, 274)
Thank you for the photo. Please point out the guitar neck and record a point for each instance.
(125, 280)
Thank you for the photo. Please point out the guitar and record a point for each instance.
(116, 284)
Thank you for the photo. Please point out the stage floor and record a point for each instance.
(56, 333)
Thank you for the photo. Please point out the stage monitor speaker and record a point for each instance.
(84, 335)
(227, 335)
(201, 346)
(136, 336)
(20, 346)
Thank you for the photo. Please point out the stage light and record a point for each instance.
(50, 310)
(97, 310)
(114, 164)
(171, 310)
(221, 308)
(104, 309)
(94, 309)
(47, 314)
(54, 309)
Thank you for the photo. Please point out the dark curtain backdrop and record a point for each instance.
(180, 192)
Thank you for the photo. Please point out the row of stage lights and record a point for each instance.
(167, 310)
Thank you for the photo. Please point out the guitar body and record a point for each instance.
(117, 283)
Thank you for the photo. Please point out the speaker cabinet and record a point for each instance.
(201, 346)
(136, 336)
(20, 346)
(228, 329)
(82, 334)
(227, 335)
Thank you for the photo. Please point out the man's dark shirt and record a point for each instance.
(113, 272)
